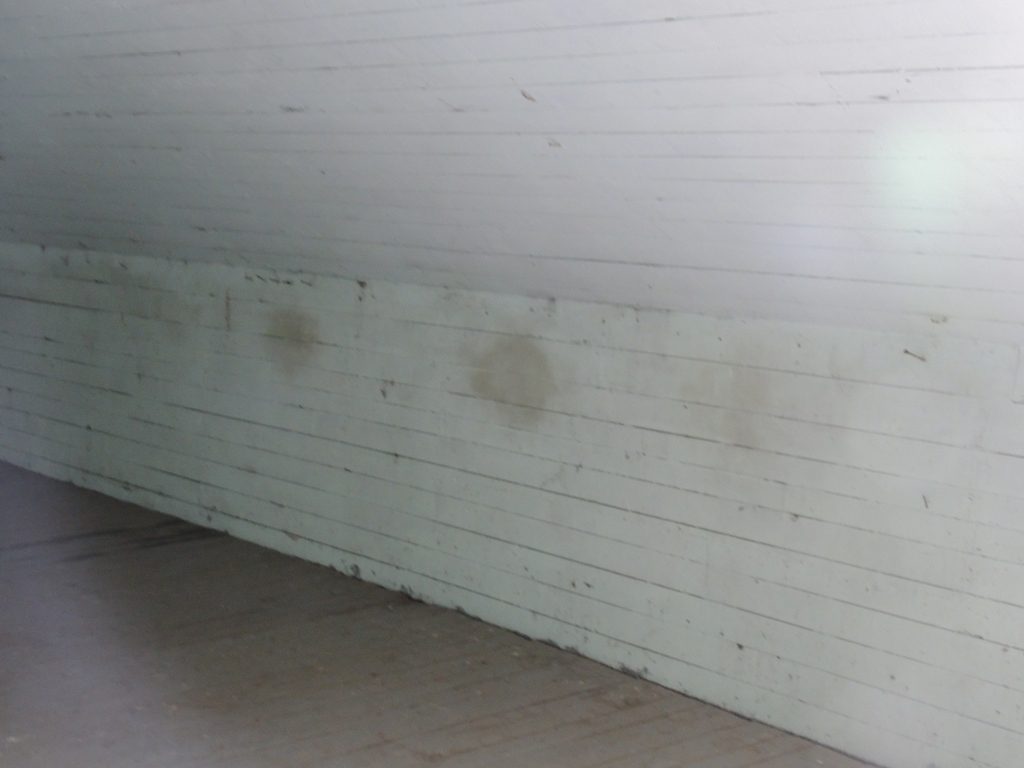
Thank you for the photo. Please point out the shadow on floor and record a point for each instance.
(133, 639)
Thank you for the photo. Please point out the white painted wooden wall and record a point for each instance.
(817, 527)
(850, 160)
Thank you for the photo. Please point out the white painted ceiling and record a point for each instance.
(826, 159)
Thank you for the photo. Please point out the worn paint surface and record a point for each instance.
(806, 524)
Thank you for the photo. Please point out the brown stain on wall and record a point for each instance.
(291, 339)
(515, 371)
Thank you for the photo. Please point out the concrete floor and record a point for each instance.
(128, 638)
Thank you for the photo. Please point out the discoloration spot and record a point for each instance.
(514, 371)
(291, 339)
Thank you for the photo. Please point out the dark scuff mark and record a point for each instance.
(916, 356)
(291, 339)
(515, 371)
(290, 109)
(639, 674)
(227, 310)
(269, 278)
(451, 106)
(526, 95)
